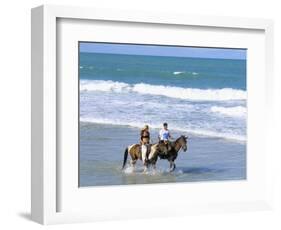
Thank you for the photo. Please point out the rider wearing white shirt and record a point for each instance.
(164, 134)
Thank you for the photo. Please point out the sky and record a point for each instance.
(156, 50)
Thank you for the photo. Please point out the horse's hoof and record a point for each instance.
(173, 169)
(145, 170)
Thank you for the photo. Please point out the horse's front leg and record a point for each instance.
(145, 167)
(172, 165)
(144, 158)
(152, 157)
(153, 164)
(154, 167)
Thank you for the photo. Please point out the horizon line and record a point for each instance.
(163, 50)
(152, 55)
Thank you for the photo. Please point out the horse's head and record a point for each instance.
(183, 142)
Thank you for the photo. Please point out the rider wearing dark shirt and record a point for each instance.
(144, 140)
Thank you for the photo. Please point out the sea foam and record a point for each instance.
(178, 72)
(185, 130)
(237, 111)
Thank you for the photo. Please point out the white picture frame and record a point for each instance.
(54, 201)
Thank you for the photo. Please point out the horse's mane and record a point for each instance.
(173, 143)
(181, 136)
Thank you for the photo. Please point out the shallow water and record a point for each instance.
(207, 159)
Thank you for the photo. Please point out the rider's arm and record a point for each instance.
(170, 135)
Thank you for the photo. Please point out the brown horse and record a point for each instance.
(172, 151)
(135, 153)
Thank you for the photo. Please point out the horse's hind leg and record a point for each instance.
(153, 163)
(133, 164)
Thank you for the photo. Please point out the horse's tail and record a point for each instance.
(125, 158)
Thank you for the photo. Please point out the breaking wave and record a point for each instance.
(161, 90)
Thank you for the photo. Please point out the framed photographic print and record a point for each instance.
(138, 109)
(135, 98)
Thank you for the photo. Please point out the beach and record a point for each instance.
(203, 98)
(207, 159)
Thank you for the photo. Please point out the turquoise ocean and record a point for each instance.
(205, 99)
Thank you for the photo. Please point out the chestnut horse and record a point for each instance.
(135, 153)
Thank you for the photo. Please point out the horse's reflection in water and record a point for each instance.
(164, 151)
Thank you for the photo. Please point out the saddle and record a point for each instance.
(169, 145)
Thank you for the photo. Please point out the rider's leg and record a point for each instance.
(147, 152)
(167, 145)
(143, 153)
